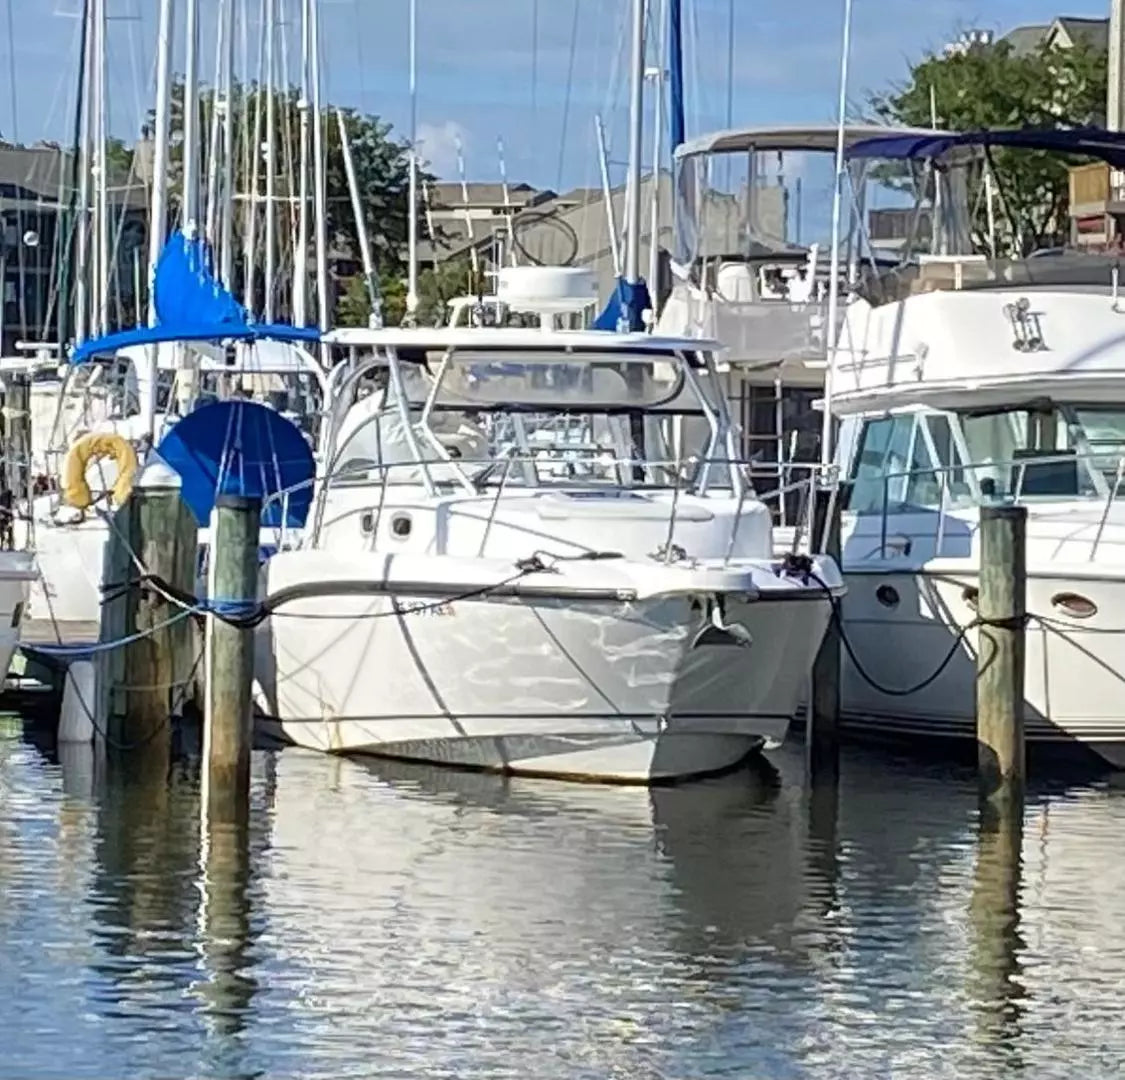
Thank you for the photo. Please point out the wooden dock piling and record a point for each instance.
(822, 717)
(144, 683)
(17, 451)
(1002, 608)
(228, 719)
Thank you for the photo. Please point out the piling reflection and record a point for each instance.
(225, 928)
(144, 887)
(996, 990)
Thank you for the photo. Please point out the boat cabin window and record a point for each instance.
(1045, 449)
(894, 466)
(1041, 450)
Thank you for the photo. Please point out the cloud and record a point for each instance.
(437, 145)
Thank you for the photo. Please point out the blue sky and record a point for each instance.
(531, 71)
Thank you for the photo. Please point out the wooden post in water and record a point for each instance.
(1002, 607)
(822, 717)
(145, 682)
(228, 719)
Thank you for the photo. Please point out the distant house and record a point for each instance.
(35, 191)
(1063, 32)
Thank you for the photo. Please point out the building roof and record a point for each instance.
(450, 195)
(1072, 29)
(38, 174)
(1091, 32)
(1026, 39)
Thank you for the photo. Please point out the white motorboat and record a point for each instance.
(626, 622)
(964, 378)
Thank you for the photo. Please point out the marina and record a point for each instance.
(668, 628)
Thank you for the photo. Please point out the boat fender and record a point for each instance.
(94, 447)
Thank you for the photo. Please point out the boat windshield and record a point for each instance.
(1040, 450)
(485, 418)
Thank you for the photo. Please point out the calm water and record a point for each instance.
(374, 920)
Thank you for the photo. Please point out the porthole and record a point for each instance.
(401, 526)
(1074, 605)
(887, 595)
(367, 523)
(969, 595)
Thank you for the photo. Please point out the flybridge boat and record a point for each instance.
(745, 273)
(469, 593)
(963, 378)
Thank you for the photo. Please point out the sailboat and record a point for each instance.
(133, 386)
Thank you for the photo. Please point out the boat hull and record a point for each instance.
(634, 691)
(1074, 686)
(17, 576)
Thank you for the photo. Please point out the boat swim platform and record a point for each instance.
(32, 665)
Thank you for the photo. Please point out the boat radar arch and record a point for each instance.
(547, 291)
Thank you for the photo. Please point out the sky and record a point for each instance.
(533, 73)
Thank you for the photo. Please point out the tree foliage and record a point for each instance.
(436, 287)
(990, 85)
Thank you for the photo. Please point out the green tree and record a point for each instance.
(990, 86)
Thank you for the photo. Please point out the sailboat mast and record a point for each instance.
(301, 255)
(101, 177)
(320, 209)
(636, 126)
(657, 149)
(82, 271)
(271, 159)
(412, 187)
(191, 119)
(158, 208)
(227, 175)
(826, 448)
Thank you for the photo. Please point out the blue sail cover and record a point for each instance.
(1094, 142)
(241, 448)
(192, 305)
(625, 307)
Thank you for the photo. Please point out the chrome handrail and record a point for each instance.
(382, 478)
(1016, 467)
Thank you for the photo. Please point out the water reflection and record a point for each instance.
(370, 918)
(997, 945)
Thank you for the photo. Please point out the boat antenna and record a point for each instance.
(832, 342)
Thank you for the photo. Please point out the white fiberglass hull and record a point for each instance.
(70, 557)
(1075, 667)
(17, 575)
(564, 680)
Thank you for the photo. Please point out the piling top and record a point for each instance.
(1002, 512)
(237, 502)
(158, 475)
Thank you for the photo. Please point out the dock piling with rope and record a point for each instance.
(822, 715)
(143, 684)
(1002, 613)
(229, 662)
